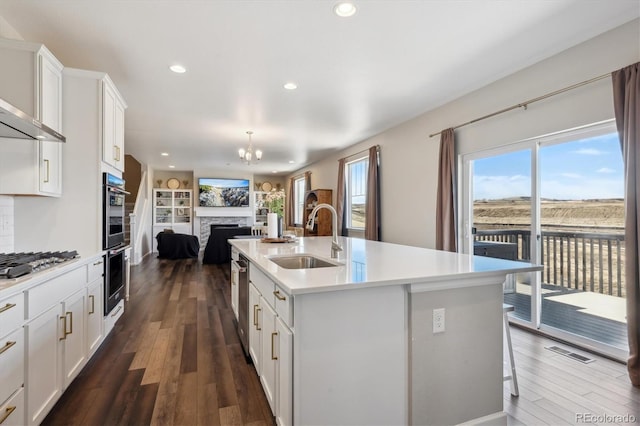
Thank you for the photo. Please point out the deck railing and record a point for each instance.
(577, 260)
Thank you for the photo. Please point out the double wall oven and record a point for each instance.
(113, 240)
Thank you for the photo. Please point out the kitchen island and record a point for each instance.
(353, 342)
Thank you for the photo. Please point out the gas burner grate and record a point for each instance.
(14, 265)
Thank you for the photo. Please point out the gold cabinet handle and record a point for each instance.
(70, 323)
(46, 162)
(6, 347)
(7, 413)
(258, 322)
(99, 262)
(93, 304)
(7, 307)
(116, 150)
(64, 328)
(278, 295)
(273, 345)
(255, 315)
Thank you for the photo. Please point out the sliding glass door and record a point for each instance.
(555, 201)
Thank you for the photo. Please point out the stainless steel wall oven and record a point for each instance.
(113, 240)
(113, 211)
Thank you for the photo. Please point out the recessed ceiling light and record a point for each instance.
(344, 9)
(274, 171)
(171, 166)
(40, 137)
(291, 161)
(290, 86)
(164, 154)
(177, 68)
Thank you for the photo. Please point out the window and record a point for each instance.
(356, 192)
(298, 200)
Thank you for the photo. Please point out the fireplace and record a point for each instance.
(207, 221)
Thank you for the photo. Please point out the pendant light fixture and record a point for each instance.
(248, 154)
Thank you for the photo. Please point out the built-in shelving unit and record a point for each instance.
(322, 225)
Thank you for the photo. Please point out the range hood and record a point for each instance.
(18, 125)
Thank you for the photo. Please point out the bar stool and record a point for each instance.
(509, 357)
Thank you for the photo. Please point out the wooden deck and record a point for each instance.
(174, 358)
(592, 315)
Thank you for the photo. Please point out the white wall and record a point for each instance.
(7, 31)
(409, 157)
(6, 224)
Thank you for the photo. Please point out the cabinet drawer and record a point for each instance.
(264, 285)
(12, 411)
(284, 306)
(11, 363)
(11, 313)
(95, 270)
(54, 291)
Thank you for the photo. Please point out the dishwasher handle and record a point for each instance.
(241, 265)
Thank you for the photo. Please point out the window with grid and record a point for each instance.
(356, 192)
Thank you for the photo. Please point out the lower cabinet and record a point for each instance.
(271, 348)
(12, 411)
(95, 319)
(44, 381)
(60, 336)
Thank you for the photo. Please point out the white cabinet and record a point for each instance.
(172, 209)
(113, 126)
(73, 335)
(271, 343)
(94, 315)
(31, 80)
(12, 411)
(44, 381)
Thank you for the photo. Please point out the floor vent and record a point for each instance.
(583, 359)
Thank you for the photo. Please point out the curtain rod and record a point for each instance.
(530, 101)
(360, 152)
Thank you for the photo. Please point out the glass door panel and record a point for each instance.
(582, 238)
(502, 220)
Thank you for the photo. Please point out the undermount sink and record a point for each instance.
(300, 261)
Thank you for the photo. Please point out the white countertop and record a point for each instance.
(365, 263)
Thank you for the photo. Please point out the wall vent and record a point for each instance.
(583, 359)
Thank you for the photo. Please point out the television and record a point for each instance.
(220, 192)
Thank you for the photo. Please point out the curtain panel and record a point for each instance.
(290, 210)
(445, 203)
(626, 104)
(372, 203)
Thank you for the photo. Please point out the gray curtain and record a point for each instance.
(290, 210)
(445, 204)
(372, 206)
(307, 181)
(340, 194)
(626, 104)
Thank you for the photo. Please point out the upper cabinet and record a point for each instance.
(113, 125)
(31, 80)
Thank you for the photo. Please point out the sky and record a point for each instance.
(578, 170)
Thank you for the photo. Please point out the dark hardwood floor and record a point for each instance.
(174, 358)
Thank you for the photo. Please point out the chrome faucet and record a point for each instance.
(335, 246)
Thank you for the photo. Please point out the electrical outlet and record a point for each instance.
(438, 320)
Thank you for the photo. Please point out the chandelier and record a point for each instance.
(247, 155)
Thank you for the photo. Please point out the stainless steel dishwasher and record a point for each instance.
(242, 264)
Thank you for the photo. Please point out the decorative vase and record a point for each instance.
(279, 226)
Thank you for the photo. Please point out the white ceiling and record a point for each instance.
(357, 77)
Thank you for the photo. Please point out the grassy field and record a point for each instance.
(572, 261)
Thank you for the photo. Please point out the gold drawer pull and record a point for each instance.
(70, 322)
(99, 262)
(279, 296)
(6, 347)
(7, 413)
(273, 356)
(7, 307)
(93, 304)
(64, 328)
(257, 323)
(255, 315)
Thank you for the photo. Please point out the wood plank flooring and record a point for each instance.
(174, 358)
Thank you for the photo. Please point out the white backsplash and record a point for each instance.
(6, 224)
